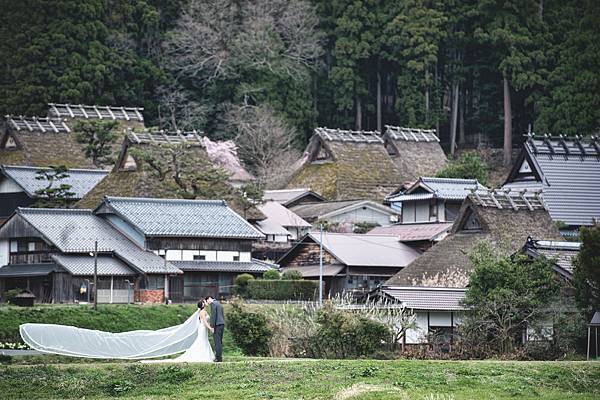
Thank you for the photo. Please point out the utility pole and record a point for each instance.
(321, 265)
(96, 275)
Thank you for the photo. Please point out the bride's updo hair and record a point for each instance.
(201, 304)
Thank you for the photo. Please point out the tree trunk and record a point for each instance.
(461, 117)
(453, 123)
(541, 10)
(426, 96)
(507, 124)
(379, 127)
(358, 114)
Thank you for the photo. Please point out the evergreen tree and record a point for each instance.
(55, 193)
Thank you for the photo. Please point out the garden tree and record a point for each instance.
(468, 166)
(272, 274)
(250, 195)
(586, 276)
(264, 142)
(98, 137)
(55, 193)
(505, 295)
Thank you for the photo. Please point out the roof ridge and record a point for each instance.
(54, 210)
(450, 180)
(165, 200)
(48, 168)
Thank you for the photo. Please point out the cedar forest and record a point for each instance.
(474, 70)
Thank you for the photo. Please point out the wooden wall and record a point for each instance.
(308, 254)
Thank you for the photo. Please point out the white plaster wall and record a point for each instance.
(4, 252)
(419, 333)
(210, 255)
(245, 256)
(440, 318)
(9, 186)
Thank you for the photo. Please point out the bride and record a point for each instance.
(190, 337)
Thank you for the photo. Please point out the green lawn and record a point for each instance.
(306, 379)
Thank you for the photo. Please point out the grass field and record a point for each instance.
(245, 378)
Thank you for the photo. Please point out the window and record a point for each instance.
(155, 282)
(199, 257)
(236, 258)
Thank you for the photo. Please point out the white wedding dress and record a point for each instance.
(190, 337)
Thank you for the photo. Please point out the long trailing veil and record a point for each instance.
(87, 343)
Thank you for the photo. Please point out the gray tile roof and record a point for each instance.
(180, 218)
(75, 231)
(25, 270)
(563, 252)
(427, 298)
(338, 135)
(225, 266)
(411, 134)
(286, 196)
(84, 265)
(36, 124)
(569, 171)
(81, 180)
(278, 214)
(441, 188)
(96, 112)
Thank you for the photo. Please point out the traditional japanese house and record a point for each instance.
(341, 165)
(22, 186)
(441, 274)
(432, 199)
(346, 215)
(292, 197)
(417, 236)
(567, 171)
(205, 239)
(351, 263)
(416, 152)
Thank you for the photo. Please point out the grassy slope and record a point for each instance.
(280, 379)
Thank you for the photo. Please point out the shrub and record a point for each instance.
(241, 284)
(283, 289)
(292, 275)
(468, 166)
(249, 330)
(272, 275)
(10, 294)
(364, 227)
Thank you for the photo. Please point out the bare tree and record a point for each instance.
(177, 111)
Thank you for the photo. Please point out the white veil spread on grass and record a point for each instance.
(87, 343)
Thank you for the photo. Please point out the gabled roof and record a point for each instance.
(271, 227)
(360, 250)
(447, 263)
(562, 252)
(416, 152)
(282, 216)
(439, 188)
(75, 232)
(95, 112)
(567, 171)
(80, 180)
(290, 197)
(37, 124)
(84, 265)
(255, 266)
(327, 209)
(346, 164)
(27, 270)
(427, 298)
(414, 232)
(180, 218)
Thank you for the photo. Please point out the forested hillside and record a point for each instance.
(465, 67)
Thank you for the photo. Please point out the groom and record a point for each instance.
(217, 322)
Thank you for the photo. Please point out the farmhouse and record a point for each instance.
(351, 263)
(567, 171)
(20, 186)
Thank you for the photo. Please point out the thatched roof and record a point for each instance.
(347, 165)
(80, 111)
(505, 220)
(135, 173)
(416, 152)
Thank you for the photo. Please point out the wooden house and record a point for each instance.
(567, 171)
(441, 274)
(351, 263)
(20, 186)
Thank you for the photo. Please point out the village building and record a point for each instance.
(567, 171)
(205, 239)
(342, 165)
(20, 186)
(562, 252)
(346, 215)
(291, 197)
(416, 152)
(351, 263)
(431, 199)
(503, 219)
(417, 236)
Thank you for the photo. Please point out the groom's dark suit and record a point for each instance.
(217, 321)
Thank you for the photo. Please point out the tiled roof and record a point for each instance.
(84, 265)
(81, 180)
(96, 112)
(25, 270)
(271, 227)
(225, 266)
(509, 199)
(180, 218)
(563, 252)
(427, 298)
(165, 137)
(75, 231)
(312, 271)
(414, 232)
(338, 135)
(36, 124)
(279, 214)
(411, 134)
(441, 188)
(325, 209)
(285, 196)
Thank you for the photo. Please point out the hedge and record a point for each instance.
(265, 289)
